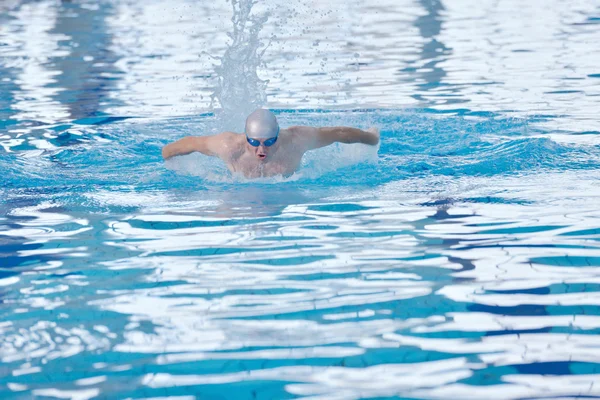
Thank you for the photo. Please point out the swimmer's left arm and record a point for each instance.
(321, 137)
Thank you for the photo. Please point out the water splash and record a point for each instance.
(240, 91)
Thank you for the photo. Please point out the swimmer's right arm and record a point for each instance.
(208, 145)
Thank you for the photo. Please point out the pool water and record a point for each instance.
(459, 259)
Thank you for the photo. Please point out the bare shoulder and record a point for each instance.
(302, 134)
(216, 139)
(233, 139)
(300, 130)
(226, 144)
(227, 136)
(232, 144)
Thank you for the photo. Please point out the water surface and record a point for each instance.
(460, 261)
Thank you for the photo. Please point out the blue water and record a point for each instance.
(461, 259)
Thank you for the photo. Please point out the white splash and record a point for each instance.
(240, 91)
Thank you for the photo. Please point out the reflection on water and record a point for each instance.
(433, 52)
(88, 73)
(421, 300)
(463, 263)
(150, 60)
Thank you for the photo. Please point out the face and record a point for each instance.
(261, 147)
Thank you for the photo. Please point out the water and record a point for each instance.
(461, 261)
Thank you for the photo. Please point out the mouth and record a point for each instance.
(262, 156)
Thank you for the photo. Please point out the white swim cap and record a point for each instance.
(262, 124)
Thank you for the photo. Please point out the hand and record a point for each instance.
(375, 131)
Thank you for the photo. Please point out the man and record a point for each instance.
(264, 149)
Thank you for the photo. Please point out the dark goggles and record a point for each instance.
(255, 142)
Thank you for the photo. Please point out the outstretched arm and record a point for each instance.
(209, 145)
(314, 138)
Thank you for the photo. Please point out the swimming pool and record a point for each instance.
(460, 261)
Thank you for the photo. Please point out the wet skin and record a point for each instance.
(282, 158)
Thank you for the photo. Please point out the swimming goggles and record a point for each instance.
(254, 142)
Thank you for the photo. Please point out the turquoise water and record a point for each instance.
(460, 260)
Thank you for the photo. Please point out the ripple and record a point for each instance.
(460, 259)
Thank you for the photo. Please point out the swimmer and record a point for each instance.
(265, 150)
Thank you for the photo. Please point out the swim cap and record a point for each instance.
(262, 124)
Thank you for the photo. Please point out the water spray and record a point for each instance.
(239, 90)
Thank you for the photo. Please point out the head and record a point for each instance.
(262, 131)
